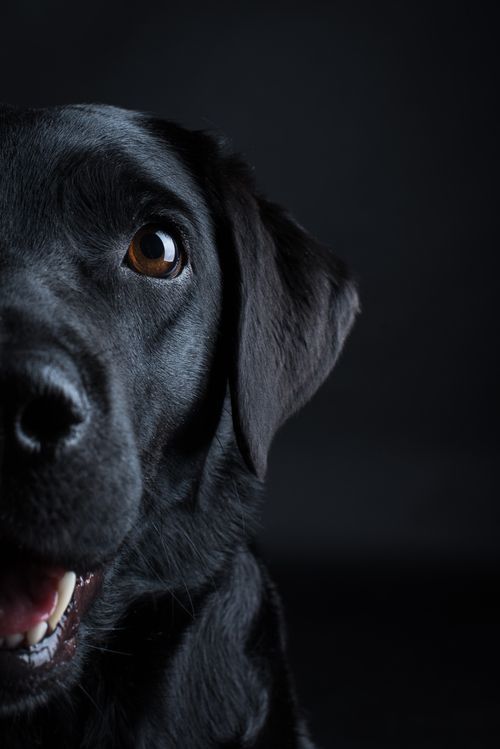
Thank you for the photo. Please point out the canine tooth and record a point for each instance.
(64, 595)
(12, 641)
(36, 633)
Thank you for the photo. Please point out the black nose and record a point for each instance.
(46, 408)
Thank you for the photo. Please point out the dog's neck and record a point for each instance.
(197, 672)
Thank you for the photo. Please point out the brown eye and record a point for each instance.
(153, 252)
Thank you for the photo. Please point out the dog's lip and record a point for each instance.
(34, 592)
(29, 596)
(19, 664)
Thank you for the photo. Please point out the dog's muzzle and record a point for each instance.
(44, 416)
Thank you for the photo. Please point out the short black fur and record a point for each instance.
(186, 382)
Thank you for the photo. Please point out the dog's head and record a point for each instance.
(159, 320)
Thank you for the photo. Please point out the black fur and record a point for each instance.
(186, 381)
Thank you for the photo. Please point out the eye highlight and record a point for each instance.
(154, 252)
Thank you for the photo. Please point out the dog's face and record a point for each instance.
(158, 322)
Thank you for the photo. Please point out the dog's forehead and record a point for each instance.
(42, 149)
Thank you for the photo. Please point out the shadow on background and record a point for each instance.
(392, 655)
(376, 124)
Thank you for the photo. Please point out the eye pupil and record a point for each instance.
(158, 246)
(152, 246)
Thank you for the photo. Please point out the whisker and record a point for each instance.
(80, 686)
(105, 649)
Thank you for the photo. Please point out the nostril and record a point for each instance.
(48, 420)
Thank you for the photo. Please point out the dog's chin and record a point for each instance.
(24, 693)
(31, 674)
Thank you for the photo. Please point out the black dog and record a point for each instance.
(158, 322)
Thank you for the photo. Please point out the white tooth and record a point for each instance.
(64, 595)
(36, 633)
(12, 641)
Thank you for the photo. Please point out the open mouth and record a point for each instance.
(40, 612)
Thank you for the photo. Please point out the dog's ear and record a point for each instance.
(293, 305)
(289, 302)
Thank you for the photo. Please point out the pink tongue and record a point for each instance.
(27, 597)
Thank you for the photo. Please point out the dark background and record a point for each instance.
(376, 124)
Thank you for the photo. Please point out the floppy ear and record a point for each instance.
(289, 303)
(295, 306)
